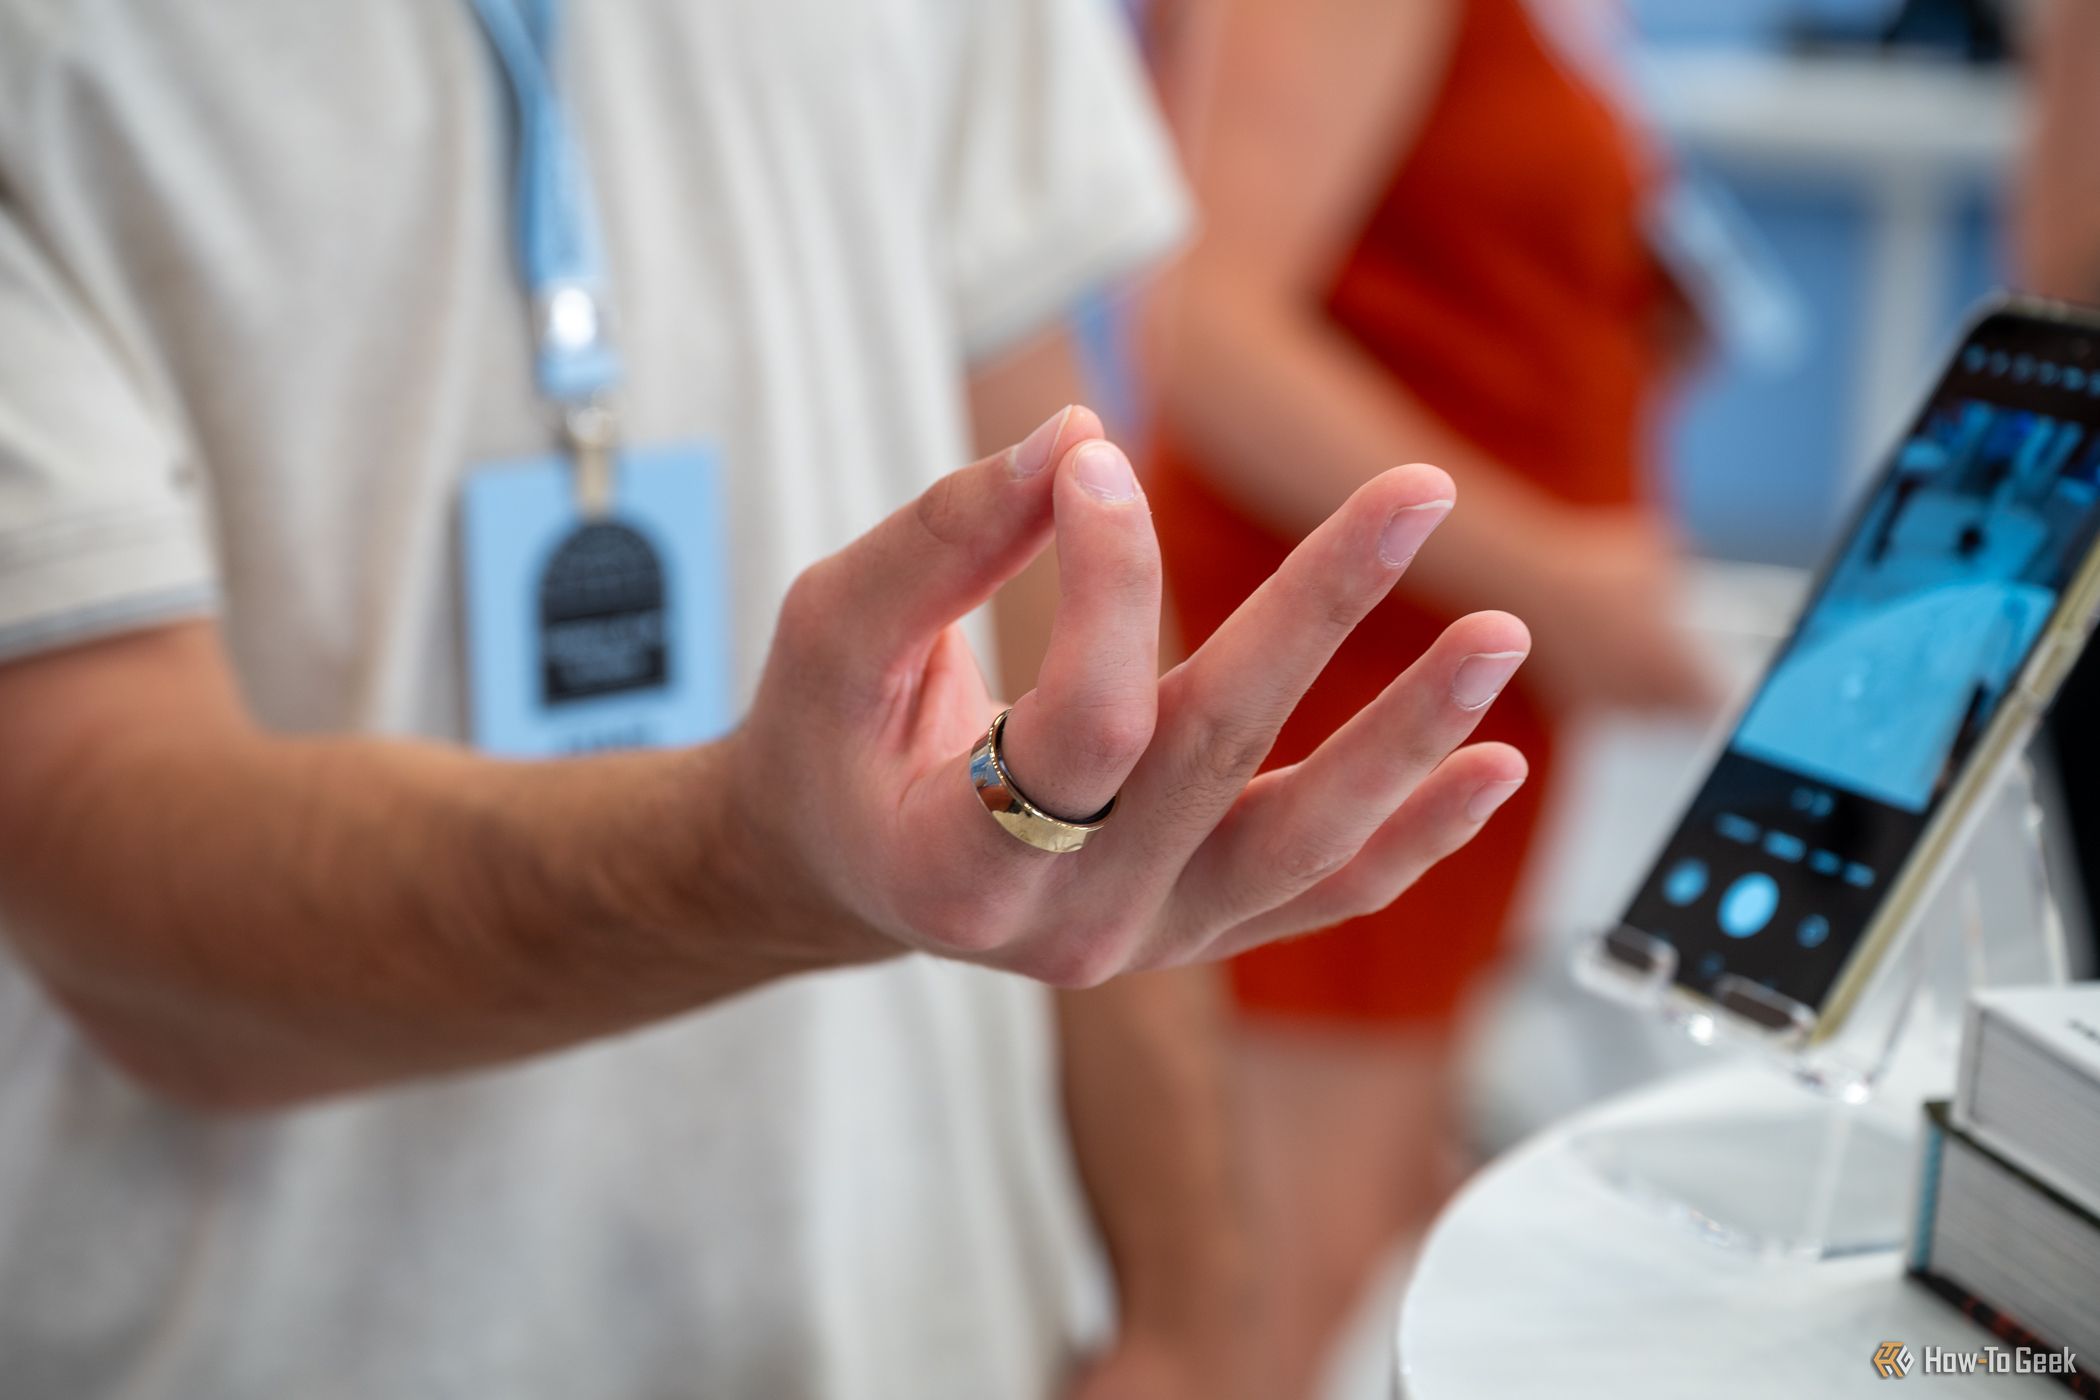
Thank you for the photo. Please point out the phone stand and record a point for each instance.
(1824, 1169)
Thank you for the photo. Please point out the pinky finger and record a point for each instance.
(1440, 816)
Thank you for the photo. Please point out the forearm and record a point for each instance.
(2057, 214)
(246, 918)
(242, 918)
(1148, 1105)
(1288, 417)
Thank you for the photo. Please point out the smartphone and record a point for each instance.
(1955, 604)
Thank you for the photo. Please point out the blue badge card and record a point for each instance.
(609, 633)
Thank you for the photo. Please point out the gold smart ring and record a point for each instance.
(1020, 818)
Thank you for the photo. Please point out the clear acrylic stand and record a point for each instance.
(1822, 1170)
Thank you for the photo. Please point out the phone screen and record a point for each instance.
(1944, 584)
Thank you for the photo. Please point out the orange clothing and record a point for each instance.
(1505, 281)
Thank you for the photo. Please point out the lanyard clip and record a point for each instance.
(593, 435)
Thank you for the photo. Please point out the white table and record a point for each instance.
(1541, 1280)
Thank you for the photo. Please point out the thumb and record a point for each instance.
(945, 553)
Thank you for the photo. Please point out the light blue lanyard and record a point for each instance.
(560, 252)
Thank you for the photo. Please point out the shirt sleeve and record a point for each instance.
(1062, 176)
(98, 534)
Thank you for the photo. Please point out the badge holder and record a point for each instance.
(1821, 1168)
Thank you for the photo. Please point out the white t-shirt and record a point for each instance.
(257, 314)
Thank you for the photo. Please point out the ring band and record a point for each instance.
(1022, 819)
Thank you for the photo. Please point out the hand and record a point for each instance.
(859, 833)
(1602, 599)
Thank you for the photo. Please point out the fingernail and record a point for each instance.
(1407, 529)
(1103, 470)
(1488, 796)
(1480, 677)
(1032, 453)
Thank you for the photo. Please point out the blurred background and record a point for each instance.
(1845, 175)
(1875, 174)
(1869, 150)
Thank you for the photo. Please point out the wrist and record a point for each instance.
(699, 864)
(1532, 577)
(1502, 547)
(1204, 1290)
(740, 886)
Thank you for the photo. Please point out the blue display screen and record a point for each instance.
(1944, 584)
(1934, 606)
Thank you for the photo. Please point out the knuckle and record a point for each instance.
(1076, 962)
(942, 511)
(1366, 891)
(1304, 855)
(1130, 570)
(1333, 601)
(1341, 610)
(972, 935)
(1410, 756)
(1108, 736)
(961, 920)
(1220, 751)
(805, 611)
(1353, 896)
